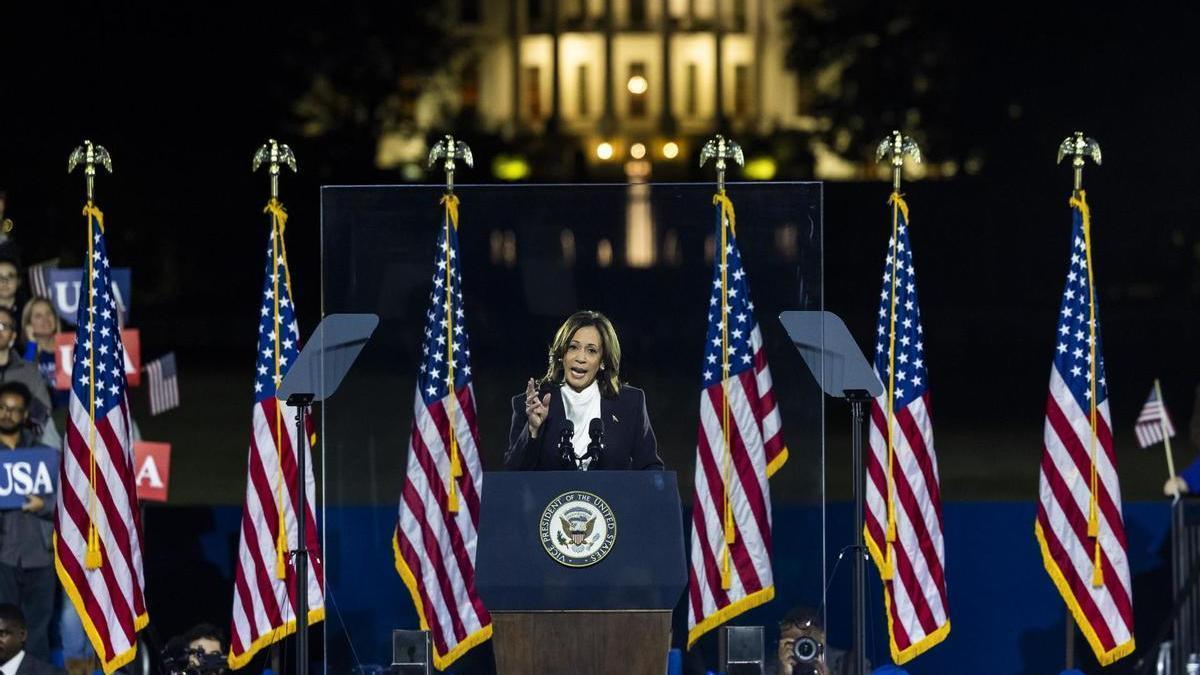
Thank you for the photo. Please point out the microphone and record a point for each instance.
(566, 448)
(596, 432)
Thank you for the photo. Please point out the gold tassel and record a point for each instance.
(455, 462)
(452, 497)
(726, 577)
(891, 527)
(280, 545)
(1097, 570)
(1093, 520)
(889, 568)
(726, 205)
(92, 558)
(451, 203)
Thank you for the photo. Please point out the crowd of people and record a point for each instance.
(28, 406)
(39, 627)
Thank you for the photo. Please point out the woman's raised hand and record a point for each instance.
(535, 409)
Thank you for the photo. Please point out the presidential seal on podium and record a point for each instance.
(577, 529)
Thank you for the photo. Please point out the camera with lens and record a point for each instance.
(806, 655)
(193, 662)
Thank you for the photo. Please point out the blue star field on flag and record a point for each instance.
(740, 311)
(98, 334)
(433, 380)
(1072, 353)
(911, 378)
(265, 377)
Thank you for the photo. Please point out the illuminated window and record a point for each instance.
(637, 89)
(582, 102)
(533, 92)
(692, 99)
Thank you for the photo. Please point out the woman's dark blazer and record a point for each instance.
(629, 441)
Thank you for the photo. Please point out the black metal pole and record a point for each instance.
(857, 405)
(301, 402)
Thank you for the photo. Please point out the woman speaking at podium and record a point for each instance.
(579, 416)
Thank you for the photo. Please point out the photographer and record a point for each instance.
(803, 649)
(199, 651)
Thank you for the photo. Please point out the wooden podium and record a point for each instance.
(607, 611)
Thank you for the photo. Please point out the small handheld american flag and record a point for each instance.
(164, 384)
(1153, 422)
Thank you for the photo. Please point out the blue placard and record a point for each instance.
(64, 286)
(27, 471)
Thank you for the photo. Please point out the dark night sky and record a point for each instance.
(183, 94)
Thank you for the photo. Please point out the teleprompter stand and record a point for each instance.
(838, 365)
(324, 361)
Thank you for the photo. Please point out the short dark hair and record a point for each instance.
(18, 388)
(801, 616)
(203, 630)
(12, 614)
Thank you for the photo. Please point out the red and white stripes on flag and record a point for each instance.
(1079, 527)
(903, 515)
(265, 583)
(739, 445)
(164, 384)
(97, 542)
(1153, 420)
(437, 529)
(39, 282)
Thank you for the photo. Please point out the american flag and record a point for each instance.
(264, 597)
(164, 384)
(740, 444)
(97, 547)
(903, 528)
(1152, 420)
(436, 535)
(39, 278)
(1079, 527)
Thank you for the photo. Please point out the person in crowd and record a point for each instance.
(10, 285)
(26, 562)
(582, 386)
(803, 649)
(14, 659)
(200, 651)
(39, 325)
(15, 369)
(1188, 480)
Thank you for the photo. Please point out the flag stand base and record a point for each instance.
(858, 399)
(301, 402)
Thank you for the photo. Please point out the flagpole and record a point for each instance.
(449, 150)
(277, 155)
(896, 146)
(721, 149)
(1078, 148)
(89, 155)
(1162, 425)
